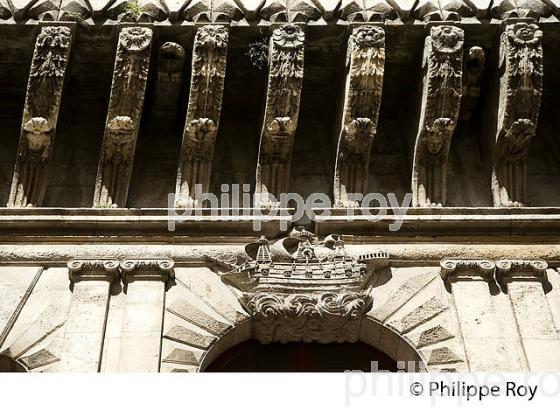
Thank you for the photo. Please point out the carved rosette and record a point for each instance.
(362, 100)
(443, 64)
(123, 118)
(203, 113)
(533, 270)
(93, 269)
(281, 115)
(40, 115)
(521, 61)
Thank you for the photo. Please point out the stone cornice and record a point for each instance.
(509, 270)
(453, 270)
(133, 225)
(107, 12)
(93, 269)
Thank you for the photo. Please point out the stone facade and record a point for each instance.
(452, 101)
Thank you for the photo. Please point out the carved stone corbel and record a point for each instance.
(521, 63)
(441, 97)
(93, 269)
(453, 270)
(203, 113)
(285, 79)
(123, 118)
(508, 270)
(40, 115)
(362, 100)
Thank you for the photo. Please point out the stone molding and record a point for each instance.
(521, 270)
(453, 270)
(243, 12)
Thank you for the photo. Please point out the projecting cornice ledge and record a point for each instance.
(132, 225)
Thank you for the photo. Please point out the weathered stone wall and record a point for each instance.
(466, 325)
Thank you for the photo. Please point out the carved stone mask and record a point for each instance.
(37, 129)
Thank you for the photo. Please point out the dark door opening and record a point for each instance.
(251, 356)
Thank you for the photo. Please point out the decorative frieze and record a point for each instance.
(203, 113)
(285, 79)
(93, 269)
(147, 269)
(362, 100)
(453, 270)
(40, 115)
(521, 64)
(307, 297)
(123, 119)
(443, 65)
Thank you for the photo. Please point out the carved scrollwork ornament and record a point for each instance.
(467, 269)
(443, 64)
(93, 269)
(130, 76)
(203, 113)
(364, 82)
(40, 115)
(282, 109)
(509, 270)
(319, 293)
(521, 84)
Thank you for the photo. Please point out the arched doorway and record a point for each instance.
(252, 356)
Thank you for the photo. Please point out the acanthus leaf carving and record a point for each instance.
(203, 113)
(281, 115)
(123, 118)
(319, 294)
(518, 110)
(443, 61)
(40, 115)
(362, 101)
